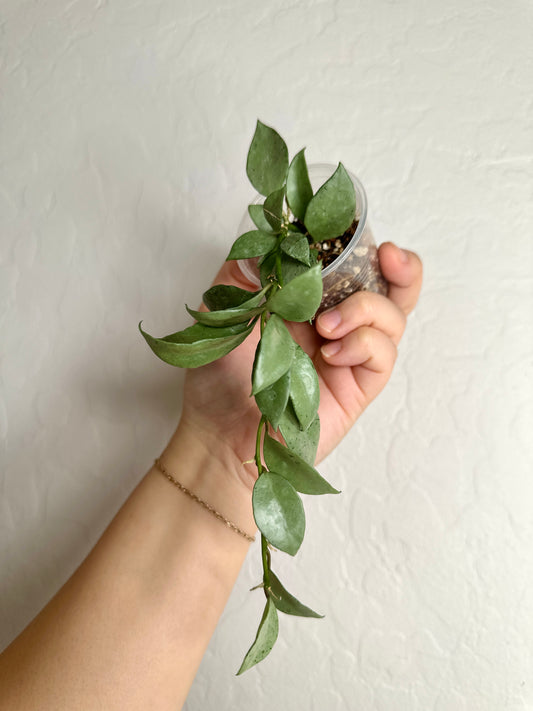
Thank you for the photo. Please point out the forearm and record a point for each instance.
(129, 629)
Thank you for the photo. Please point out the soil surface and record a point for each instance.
(330, 249)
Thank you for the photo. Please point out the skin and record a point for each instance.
(369, 330)
(129, 628)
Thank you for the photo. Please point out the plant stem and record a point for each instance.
(278, 268)
(257, 456)
(265, 554)
(263, 423)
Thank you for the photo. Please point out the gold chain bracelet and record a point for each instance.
(200, 501)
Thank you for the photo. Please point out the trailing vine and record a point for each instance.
(284, 382)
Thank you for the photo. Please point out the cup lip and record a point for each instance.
(361, 212)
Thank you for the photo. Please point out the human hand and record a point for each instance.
(355, 344)
(353, 347)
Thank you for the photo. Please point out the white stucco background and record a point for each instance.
(124, 132)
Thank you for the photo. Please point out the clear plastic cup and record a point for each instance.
(355, 269)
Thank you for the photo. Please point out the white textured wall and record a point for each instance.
(125, 127)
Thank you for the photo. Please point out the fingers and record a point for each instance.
(403, 270)
(363, 308)
(365, 346)
(370, 356)
(363, 331)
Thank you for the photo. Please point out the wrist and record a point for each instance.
(209, 468)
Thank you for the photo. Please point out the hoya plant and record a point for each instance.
(289, 223)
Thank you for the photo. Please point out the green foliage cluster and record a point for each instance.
(284, 381)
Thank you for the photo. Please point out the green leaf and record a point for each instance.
(257, 214)
(332, 210)
(227, 317)
(272, 401)
(252, 244)
(303, 477)
(296, 246)
(267, 269)
(197, 345)
(299, 190)
(278, 512)
(273, 209)
(304, 444)
(290, 268)
(300, 298)
(254, 298)
(226, 296)
(266, 637)
(295, 227)
(274, 354)
(268, 160)
(305, 390)
(287, 603)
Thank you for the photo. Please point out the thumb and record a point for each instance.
(403, 270)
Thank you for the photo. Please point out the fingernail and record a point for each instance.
(330, 349)
(403, 256)
(329, 320)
